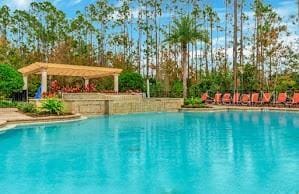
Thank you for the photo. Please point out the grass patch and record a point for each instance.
(7, 104)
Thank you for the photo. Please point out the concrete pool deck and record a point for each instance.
(12, 116)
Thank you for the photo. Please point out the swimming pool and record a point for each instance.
(220, 152)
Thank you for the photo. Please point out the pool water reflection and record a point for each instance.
(221, 152)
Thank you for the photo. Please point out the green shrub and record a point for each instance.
(249, 78)
(27, 107)
(176, 89)
(195, 90)
(53, 106)
(7, 104)
(130, 81)
(105, 83)
(156, 89)
(193, 101)
(285, 83)
(10, 80)
(296, 79)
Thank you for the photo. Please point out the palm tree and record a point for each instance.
(185, 31)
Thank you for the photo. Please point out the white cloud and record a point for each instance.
(19, 4)
(55, 2)
(286, 8)
(24, 4)
(75, 2)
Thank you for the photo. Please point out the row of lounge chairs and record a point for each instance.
(252, 99)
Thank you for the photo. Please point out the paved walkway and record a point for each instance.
(12, 114)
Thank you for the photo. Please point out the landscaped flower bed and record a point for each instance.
(194, 103)
(49, 107)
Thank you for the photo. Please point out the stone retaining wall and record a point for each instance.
(100, 96)
(145, 105)
(87, 107)
(122, 105)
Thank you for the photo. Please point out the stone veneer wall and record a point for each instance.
(145, 105)
(87, 106)
(118, 104)
(100, 96)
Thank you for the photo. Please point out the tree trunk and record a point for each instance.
(147, 41)
(241, 35)
(235, 44)
(225, 36)
(200, 60)
(206, 58)
(196, 65)
(185, 70)
(139, 40)
(270, 68)
(157, 48)
(211, 47)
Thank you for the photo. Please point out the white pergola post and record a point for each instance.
(148, 88)
(86, 82)
(25, 80)
(44, 80)
(115, 83)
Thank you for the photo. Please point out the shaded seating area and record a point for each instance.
(53, 69)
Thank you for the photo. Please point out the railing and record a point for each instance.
(20, 96)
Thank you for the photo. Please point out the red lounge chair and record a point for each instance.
(245, 99)
(266, 98)
(226, 99)
(236, 98)
(282, 98)
(205, 98)
(295, 99)
(217, 99)
(255, 98)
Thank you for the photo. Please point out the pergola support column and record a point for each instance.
(44, 80)
(115, 83)
(86, 82)
(25, 80)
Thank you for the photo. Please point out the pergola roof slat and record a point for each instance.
(69, 70)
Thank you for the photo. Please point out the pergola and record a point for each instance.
(87, 72)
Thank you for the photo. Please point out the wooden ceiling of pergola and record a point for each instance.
(69, 70)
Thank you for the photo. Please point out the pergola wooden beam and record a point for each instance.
(69, 70)
(87, 72)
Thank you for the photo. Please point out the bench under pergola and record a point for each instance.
(86, 72)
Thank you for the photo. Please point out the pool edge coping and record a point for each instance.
(8, 125)
(239, 108)
(11, 124)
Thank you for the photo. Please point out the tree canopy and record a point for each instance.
(178, 41)
(10, 80)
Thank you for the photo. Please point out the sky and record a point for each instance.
(284, 8)
(71, 6)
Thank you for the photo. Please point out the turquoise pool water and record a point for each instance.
(159, 153)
